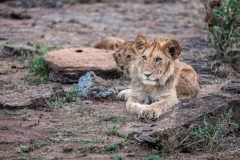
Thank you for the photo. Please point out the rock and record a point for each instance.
(31, 97)
(67, 148)
(196, 43)
(67, 65)
(158, 1)
(40, 3)
(2, 83)
(14, 15)
(234, 58)
(232, 87)
(18, 65)
(108, 118)
(18, 49)
(110, 43)
(172, 126)
(19, 16)
(87, 102)
(202, 68)
(207, 79)
(91, 84)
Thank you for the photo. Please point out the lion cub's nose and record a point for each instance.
(147, 74)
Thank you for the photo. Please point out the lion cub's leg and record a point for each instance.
(124, 94)
(133, 107)
(154, 110)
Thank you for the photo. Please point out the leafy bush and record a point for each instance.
(223, 24)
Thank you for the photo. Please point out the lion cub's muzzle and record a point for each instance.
(149, 79)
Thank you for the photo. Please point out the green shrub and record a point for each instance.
(223, 24)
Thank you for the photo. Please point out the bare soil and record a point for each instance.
(85, 129)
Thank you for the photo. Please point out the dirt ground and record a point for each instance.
(86, 129)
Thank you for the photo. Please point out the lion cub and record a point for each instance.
(126, 55)
(154, 78)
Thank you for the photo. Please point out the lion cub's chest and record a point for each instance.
(150, 96)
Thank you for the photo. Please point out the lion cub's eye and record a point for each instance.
(158, 60)
(129, 56)
(172, 49)
(144, 57)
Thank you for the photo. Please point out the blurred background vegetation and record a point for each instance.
(222, 18)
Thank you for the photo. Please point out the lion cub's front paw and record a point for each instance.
(149, 113)
(136, 108)
(123, 95)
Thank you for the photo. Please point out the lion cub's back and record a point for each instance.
(187, 80)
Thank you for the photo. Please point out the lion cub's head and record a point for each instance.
(127, 54)
(156, 63)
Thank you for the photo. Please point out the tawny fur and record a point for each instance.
(110, 43)
(154, 78)
(187, 84)
(187, 81)
(125, 56)
(127, 53)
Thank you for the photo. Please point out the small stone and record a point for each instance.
(87, 102)
(232, 87)
(18, 65)
(208, 79)
(67, 148)
(19, 16)
(91, 84)
(108, 118)
(2, 83)
(234, 58)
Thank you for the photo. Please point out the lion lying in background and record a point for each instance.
(157, 76)
(110, 43)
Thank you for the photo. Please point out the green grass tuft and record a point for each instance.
(118, 157)
(10, 42)
(33, 146)
(112, 147)
(37, 65)
(112, 130)
(153, 157)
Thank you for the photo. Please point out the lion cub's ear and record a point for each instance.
(141, 42)
(172, 47)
